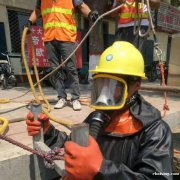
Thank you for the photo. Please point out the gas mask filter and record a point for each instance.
(108, 92)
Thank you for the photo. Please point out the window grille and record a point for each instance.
(17, 20)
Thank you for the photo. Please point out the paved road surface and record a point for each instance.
(17, 130)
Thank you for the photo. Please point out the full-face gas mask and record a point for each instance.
(108, 92)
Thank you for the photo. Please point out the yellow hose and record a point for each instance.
(3, 120)
(4, 124)
(26, 65)
(4, 101)
(61, 121)
(37, 78)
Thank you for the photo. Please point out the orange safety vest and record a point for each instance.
(58, 20)
(129, 12)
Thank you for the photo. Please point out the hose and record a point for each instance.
(3, 100)
(10, 110)
(61, 121)
(37, 76)
(137, 22)
(4, 124)
(26, 65)
(3, 120)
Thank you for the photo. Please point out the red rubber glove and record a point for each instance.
(82, 162)
(34, 126)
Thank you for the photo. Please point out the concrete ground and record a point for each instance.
(15, 112)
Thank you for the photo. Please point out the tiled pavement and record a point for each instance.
(17, 127)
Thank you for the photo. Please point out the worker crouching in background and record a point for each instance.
(129, 140)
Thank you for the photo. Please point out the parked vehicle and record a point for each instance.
(153, 72)
(7, 77)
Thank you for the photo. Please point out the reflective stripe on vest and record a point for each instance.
(59, 24)
(134, 15)
(56, 10)
(128, 13)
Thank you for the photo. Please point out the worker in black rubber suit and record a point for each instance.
(129, 140)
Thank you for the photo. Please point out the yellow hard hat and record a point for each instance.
(121, 58)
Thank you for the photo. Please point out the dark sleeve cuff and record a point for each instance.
(109, 170)
(100, 175)
(38, 4)
(55, 138)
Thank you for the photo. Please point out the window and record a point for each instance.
(3, 46)
(17, 20)
(175, 3)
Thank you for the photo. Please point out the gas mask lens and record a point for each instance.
(108, 92)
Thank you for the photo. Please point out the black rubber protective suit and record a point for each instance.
(141, 156)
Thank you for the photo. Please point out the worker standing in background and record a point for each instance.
(129, 140)
(60, 31)
(126, 17)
